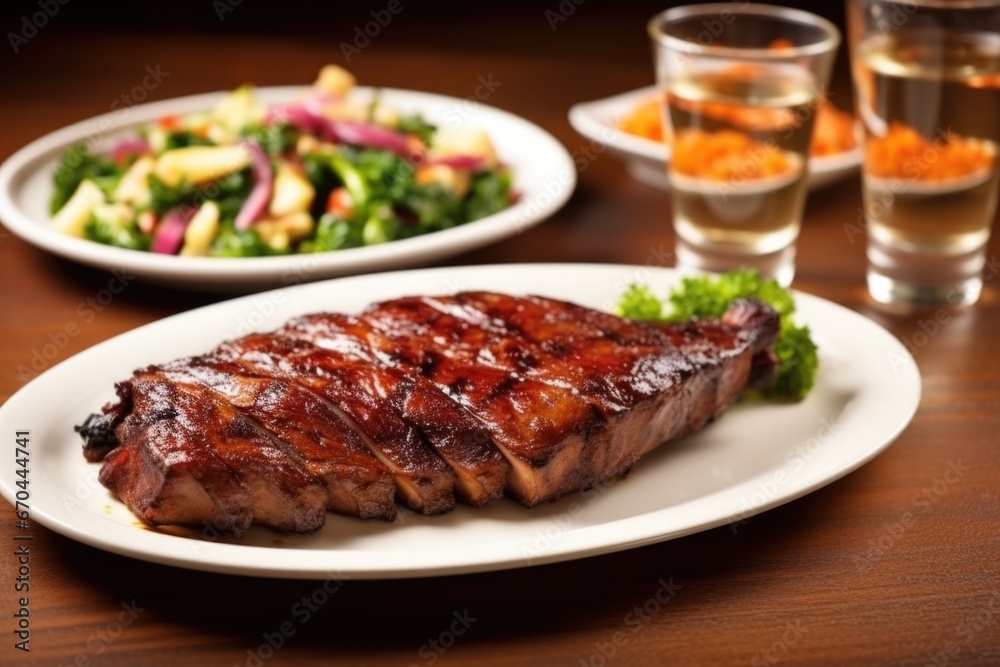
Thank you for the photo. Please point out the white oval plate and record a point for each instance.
(754, 458)
(543, 171)
(646, 159)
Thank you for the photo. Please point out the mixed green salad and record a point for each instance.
(705, 296)
(244, 180)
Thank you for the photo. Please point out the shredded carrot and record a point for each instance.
(644, 120)
(983, 81)
(781, 44)
(340, 203)
(170, 123)
(833, 131)
(905, 153)
(743, 116)
(726, 155)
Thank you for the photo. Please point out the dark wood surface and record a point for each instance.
(834, 578)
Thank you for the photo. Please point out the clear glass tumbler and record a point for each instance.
(741, 84)
(927, 80)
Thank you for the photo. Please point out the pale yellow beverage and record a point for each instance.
(947, 94)
(741, 87)
(929, 98)
(738, 168)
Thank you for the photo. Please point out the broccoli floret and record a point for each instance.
(275, 139)
(183, 139)
(123, 236)
(232, 242)
(386, 201)
(354, 178)
(416, 124)
(433, 207)
(489, 194)
(380, 228)
(229, 192)
(77, 164)
(333, 233)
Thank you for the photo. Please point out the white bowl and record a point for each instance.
(647, 160)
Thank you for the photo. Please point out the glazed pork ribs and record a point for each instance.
(424, 401)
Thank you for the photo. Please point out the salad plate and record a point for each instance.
(543, 176)
(866, 392)
(647, 159)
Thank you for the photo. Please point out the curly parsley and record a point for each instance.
(706, 296)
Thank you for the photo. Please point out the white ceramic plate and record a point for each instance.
(756, 457)
(646, 159)
(543, 173)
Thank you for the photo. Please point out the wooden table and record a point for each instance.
(831, 579)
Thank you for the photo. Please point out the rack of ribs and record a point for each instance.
(422, 401)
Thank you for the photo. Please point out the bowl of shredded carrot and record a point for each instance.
(630, 125)
(903, 160)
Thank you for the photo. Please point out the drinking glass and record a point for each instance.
(927, 81)
(740, 85)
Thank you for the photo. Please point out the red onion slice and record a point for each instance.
(170, 232)
(294, 114)
(470, 162)
(342, 131)
(122, 149)
(372, 136)
(256, 203)
(316, 100)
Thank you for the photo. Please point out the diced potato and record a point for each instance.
(293, 193)
(471, 141)
(340, 203)
(335, 80)
(306, 144)
(197, 122)
(310, 144)
(456, 180)
(344, 110)
(278, 240)
(221, 135)
(76, 212)
(375, 231)
(298, 225)
(134, 186)
(355, 112)
(280, 233)
(200, 164)
(157, 138)
(146, 222)
(116, 215)
(237, 110)
(201, 231)
(385, 116)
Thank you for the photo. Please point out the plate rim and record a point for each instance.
(228, 272)
(458, 561)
